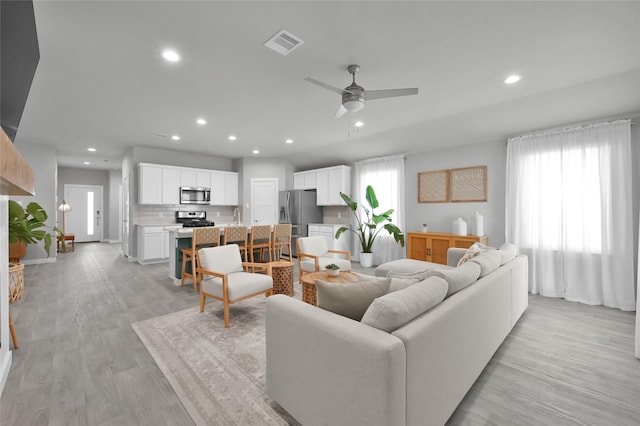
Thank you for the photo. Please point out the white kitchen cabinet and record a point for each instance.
(153, 244)
(149, 184)
(224, 188)
(329, 183)
(329, 232)
(188, 177)
(170, 185)
(203, 179)
(160, 184)
(304, 180)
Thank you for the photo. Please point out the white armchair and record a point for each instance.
(314, 256)
(224, 277)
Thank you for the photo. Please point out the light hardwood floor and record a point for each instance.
(80, 363)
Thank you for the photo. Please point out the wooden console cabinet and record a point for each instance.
(432, 247)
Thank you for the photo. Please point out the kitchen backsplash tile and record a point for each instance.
(164, 215)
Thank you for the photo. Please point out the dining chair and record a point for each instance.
(260, 240)
(208, 236)
(236, 235)
(281, 239)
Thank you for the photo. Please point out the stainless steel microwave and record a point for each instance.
(194, 195)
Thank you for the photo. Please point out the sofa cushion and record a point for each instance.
(408, 266)
(508, 252)
(393, 310)
(402, 283)
(489, 261)
(457, 278)
(350, 300)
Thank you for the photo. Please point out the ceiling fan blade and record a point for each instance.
(324, 85)
(340, 112)
(390, 93)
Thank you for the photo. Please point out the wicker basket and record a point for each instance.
(16, 282)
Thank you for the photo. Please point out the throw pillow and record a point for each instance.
(458, 278)
(508, 251)
(350, 300)
(489, 261)
(473, 251)
(393, 310)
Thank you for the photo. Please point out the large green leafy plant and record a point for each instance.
(370, 224)
(25, 224)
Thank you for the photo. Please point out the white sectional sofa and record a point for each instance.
(327, 369)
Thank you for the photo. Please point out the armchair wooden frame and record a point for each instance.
(302, 256)
(253, 266)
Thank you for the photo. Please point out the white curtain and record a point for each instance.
(386, 176)
(568, 207)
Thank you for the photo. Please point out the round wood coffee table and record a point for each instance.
(282, 273)
(309, 293)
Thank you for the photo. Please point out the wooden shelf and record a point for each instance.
(16, 176)
(433, 246)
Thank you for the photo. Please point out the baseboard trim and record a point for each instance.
(38, 261)
(5, 366)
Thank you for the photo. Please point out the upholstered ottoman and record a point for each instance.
(407, 266)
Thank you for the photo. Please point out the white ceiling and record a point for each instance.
(101, 81)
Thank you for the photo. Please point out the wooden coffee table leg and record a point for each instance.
(12, 329)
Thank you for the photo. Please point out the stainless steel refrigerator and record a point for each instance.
(299, 208)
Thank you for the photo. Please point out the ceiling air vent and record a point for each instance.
(284, 42)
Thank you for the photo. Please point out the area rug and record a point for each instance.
(218, 373)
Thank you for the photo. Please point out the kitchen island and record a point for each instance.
(180, 238)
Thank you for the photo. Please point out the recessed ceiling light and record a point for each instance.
(255, 151)
(201, 121)
(358, 123)
(171, 55)
(175, 137)
(512, 79)
(232, 138)
(86, 163)
(91, 149)
(289, 141)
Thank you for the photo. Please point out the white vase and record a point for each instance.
(333, 272)
(459, 227)
(366, 260)
(477, 223)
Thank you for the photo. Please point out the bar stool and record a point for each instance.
(281, 239)
(260, 240)
(208, 236)
(236, 235)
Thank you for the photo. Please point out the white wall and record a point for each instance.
(115, 212)
(261, 168)
(44, 162)
(439, 216)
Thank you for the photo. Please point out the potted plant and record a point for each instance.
(333, 270)
(24, 228)
(369, 225)
(25, 224)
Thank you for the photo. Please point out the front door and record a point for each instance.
(264, 201)
(85, 218)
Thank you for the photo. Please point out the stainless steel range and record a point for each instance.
(193, 219)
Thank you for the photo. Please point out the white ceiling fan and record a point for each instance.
(354, 96)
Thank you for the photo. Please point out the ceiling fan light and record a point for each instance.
(353, 105)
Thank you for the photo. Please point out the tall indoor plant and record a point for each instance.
(369, 225)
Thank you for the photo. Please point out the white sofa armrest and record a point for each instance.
(327, 369)
(454, 254)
